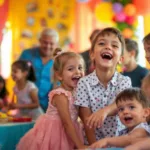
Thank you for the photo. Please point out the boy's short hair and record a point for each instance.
(146, 38)
(131, 45)
(108, 31)
(93, 34)
(131, 94)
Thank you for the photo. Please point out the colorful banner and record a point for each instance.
(3, 15)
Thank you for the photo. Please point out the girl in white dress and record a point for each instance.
(25, 90)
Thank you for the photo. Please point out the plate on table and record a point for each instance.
(22, 119)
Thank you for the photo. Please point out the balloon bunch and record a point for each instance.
(125, 16)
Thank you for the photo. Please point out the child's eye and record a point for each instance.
(101, 43)
(115, 46)
(131, 107)
(80, 68)
(120, 109)
(70, 69)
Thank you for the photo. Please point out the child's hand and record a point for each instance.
(100, 144)
(133, 147)
(83, 147)
(97, 118)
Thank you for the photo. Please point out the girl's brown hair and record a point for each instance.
(108, 31)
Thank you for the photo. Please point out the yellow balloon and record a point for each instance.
(104, 12)
(1, 2)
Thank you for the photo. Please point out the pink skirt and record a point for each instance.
(48, 134)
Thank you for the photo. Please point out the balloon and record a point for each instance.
(130, 20)
(121, 26)
(92, 4)
(104, 12)
(82, 1)
(142, 6)
(1, 2)
(127, 33)
(117, 7)
(130, 10)
(120, 17)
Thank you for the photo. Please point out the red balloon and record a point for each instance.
(92, 4)
(130, 20)
(142, 6)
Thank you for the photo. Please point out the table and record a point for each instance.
(10, 134)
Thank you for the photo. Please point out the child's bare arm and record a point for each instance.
(121, 141)
(97, 119)
(142, 144)
(62, 104)
(84, 113)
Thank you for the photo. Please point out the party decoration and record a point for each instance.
(127, 33)
(125, 16)
(4, 5)
(120, 17)
(123, 2)
(83, 1)
(130, 20)
(142, 6)
(117, 7)
(130, 10)
(92, 4)
(104, 12)
(1, 2)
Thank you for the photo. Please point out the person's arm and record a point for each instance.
(82, 100)
(144, 144)
(121, 141)
(33, 104)
(84, 113)
(62, 105)
(97, 119)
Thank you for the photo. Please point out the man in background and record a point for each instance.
(42, 61)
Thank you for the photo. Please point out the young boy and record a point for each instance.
(96, 92)
(145, 143)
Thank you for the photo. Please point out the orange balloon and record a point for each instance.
(92, 4)
(127, 33)
(130, 10)
(142, 6)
